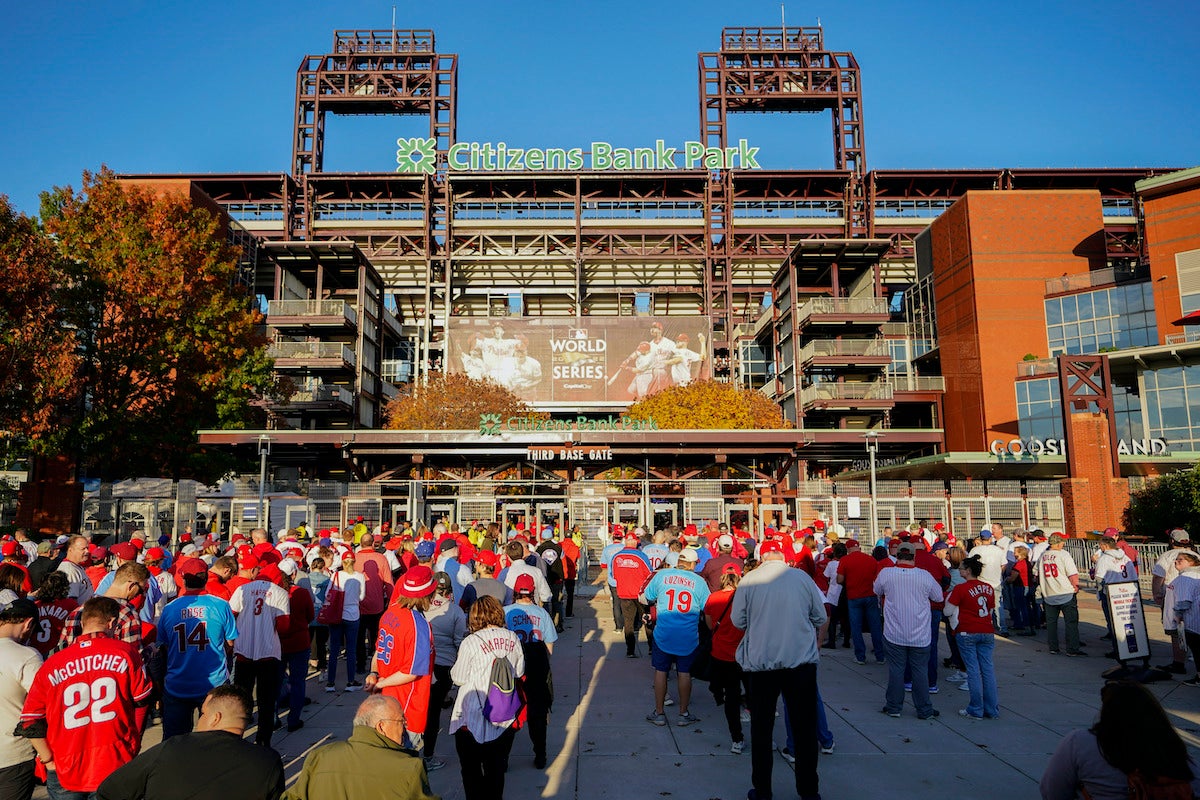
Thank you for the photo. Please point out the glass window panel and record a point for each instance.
(1039, 391)
(1100, 303)
(1054, 312)
(1070, 311)
(1173, 405)
(1085, 306)
(1104, 325)
(1088, 344)
(1169, 378)
(1087, 328)
(1022, 392)
(1153, 418)
(1147, 295)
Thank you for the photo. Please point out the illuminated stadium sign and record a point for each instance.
(612, 360)
(417, 156)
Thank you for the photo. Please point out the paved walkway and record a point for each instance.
(602, 747)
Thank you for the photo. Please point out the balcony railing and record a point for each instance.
(1038, 367)
(841, 306)
(1097, 277)
(324, 393)
(311, 308)
(825, 392)
(844, 347)
(310, 351)
(918, 383)
(1185, 337)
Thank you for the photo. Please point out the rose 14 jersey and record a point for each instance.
(85, 695)
(194, 629)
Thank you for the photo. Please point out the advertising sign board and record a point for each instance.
(1129, 623)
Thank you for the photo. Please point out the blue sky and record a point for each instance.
(209, 87)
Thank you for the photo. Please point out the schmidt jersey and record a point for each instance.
(530, 623)
(678, 597)
(85, 697)
(194, 629)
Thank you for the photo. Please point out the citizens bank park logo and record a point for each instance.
(416, 156)
(489, 424)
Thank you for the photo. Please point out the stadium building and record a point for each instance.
(907, 321)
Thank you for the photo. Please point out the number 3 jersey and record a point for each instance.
(84, 696)
(678, 597)
(194, 629)
(975, 600)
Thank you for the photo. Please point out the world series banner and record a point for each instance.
(616, 360)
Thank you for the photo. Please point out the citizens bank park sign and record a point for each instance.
(419, 156)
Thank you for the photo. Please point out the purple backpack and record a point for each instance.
(503, 704)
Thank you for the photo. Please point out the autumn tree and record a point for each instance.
(709, 405)
(452, 402)
(37, 345)
(162, 342)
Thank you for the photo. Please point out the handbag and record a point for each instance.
(702, 663)
(335, 601)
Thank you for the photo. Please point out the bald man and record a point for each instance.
(168, 771)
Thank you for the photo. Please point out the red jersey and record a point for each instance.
(405, 644)
(234, 583)
(49, 628)
(86, 696)
(806, 562)
(975, 600)
(727, 636)
(631, 570)
(216, 588)
(570, 558)
(859, 570)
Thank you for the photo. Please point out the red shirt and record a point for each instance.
(216, 588)
(405, 644)
(87, 694)
(975, 600)
(301, 614)
(859, 570)
(631, 570)
(96, 574)
(805, 561)
(935, 567)
(51, 617)
(570, 558)
(234, 583)
(1022, 570)
(727, 636)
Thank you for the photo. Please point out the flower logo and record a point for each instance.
(489, 424)
(416, 156)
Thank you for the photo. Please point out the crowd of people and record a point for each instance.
(217, 636)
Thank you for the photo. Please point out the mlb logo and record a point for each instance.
(577, 333)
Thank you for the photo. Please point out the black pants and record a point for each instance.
(437, 695)
(261, 679)
(840, 615)
(483, 765)
(16, 782)
(798, 685)
(725, 677)
(631, 613)
(539, 695)
(1193, 643)
(368, 632)
(569, 596)
(320, 644)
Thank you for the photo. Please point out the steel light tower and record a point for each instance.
(872, 439)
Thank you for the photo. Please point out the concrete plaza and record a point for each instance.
(601, 746)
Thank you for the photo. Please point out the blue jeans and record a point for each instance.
(56, 792)
(868, 608)
(976, 649)
(935, 622)
(899, 658)
(296, 665)
(824, 735)
(179, 714)
(342, 635)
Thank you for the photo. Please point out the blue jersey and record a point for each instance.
(678, 597)
(194, 629)
(606, 560)
(703, 554)
(530, 623)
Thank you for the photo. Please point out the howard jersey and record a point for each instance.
(258, 604)
(48, 630)
(194, 629)
(85, 696)
(405, 644)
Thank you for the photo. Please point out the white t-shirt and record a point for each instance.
(355, 587)
(1165, 569)
(994, 558)
(1054, 570)
(257, 605)
(539, 579)
(81, 585)
(835, 589)
(18, 665)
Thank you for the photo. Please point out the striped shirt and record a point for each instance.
(907, 593)
(472, 673)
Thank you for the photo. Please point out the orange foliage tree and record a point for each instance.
(709, 405)
(37, 348)
(164, 342)
(452, 401)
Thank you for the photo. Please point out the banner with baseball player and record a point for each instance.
(616, 360)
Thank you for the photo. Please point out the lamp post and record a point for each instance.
(264, 449)
(872, 439)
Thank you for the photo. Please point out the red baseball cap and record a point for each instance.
(417, 582)
(124, 551)
(138, 543)
(191, 566)
(488, 558)
(155, 554)
(524, 585)
(247, 561)
(769, 546)
(10, 549)
(732, 568)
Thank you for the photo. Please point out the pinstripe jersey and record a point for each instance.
(907, 593)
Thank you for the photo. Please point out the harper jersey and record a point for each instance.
(405, 644)
(258, 604)
(86, 696)
(678, 597)
(194, 629)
